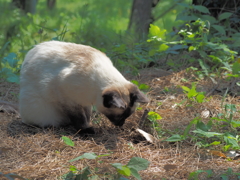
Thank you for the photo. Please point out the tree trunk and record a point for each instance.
(51, 4)
(26, 5)
(140, 18)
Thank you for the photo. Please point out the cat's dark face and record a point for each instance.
(121, 103)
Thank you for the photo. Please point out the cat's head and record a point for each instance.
(119, 103)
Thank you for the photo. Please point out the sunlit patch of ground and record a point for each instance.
(37, 153)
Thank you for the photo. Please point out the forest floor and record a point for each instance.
(41, 154)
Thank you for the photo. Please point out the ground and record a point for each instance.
(41, 154)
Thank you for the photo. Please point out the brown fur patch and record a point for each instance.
(76, 52)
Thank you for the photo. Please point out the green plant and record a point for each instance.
(193, 95)
(225, 176)
(194, 175)
(142, 87)
(153, 118)
(67, 141)
(131, 168)
(10, 68)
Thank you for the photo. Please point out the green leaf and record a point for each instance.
(85, 156)
(11, 59)
(175, 138)
(153, 116)
(236, 68)
(13, 78)
(185, 88)
(144, 87)
(200, 97)
(202, 9)
(219, 29)
(156, 31)
(192, 93)
(235, 123)
(230, 139)
(138, 163)
(224, 15)
(124, 171)
(134, 172)
(191, 48)
(202, 126)
(209, 18)
(135, 82)
(186, 131)
(163, 47)
(117, 165)
(67, 141)
(207, 134)
(103, 155)
(215, 143)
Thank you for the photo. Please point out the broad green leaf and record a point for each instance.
(138, 163)
(215, 143)
(230, 139)
(202, 9)
(207, 134)
(144, 87)
(235, 123)
(186, 131)
(134, 172)
(156, 31)
(67, 141)
(85, 156)
(202, 126)
(175, 138)
(13, 78)
(200, 97)
(191, 48)
(135, 82)
(192, 93)
(11, 59)
(117, 165)
(153, 116)
(163, 47)
(124, 171)
(224, 15)
(185, 88)
(219, 29)
(236, 68)
(209, 18)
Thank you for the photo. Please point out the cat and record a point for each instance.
(61, 81)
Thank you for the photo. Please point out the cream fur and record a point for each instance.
(57, 75)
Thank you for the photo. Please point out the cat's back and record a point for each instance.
(57, 52)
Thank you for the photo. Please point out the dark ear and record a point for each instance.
(138, 96)
(113, 99)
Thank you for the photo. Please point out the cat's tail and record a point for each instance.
(9, 108)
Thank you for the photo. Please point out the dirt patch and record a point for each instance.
(37, 153)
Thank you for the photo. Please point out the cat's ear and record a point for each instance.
(113, 99)
(137, 96)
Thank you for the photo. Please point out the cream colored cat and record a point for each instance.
(60, 82)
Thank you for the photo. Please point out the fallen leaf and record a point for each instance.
(146, 135)
(205, 113)
(217, 153)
